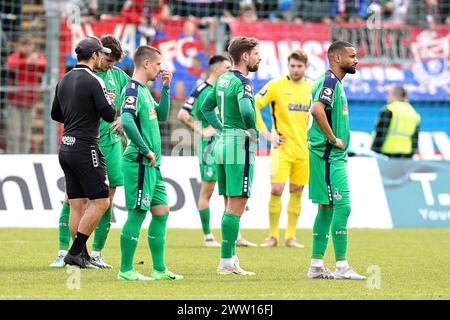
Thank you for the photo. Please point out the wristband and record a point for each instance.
(333, 142)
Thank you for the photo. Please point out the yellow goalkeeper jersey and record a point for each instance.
(289, 106)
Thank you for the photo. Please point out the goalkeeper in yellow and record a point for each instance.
(289, 100)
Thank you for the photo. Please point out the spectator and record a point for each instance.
(248, 14)
(397, 128)
(25, 69)
(312, 11)
(197, 8)
(88, 9)
(153, 11)
(423, 13)
(396, 10)
(349, 10)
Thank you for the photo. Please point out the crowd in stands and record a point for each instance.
(413, 12)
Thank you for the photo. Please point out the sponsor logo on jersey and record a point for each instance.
(68, 140)
(248, 90)
(298, 107)
(224, 83)
(345, 109)
(327, 94)
(189, 102)
(152, 114)
(130, 103)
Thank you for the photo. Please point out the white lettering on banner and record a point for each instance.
(269, 67)
(424, 179)
(125, 32)
(32, 189)
(434, 215)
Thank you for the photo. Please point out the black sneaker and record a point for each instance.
(79, 260)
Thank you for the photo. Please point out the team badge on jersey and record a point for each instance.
(146, 200)
(336, 194)
(327, 94)
(130, 103)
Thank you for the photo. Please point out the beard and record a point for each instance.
(253, 68)
(349, 69)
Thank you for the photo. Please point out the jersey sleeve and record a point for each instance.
(245, 89)
(190, 104)
(264, 96)
(325, 90)
(130, 99)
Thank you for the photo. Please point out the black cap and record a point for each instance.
(89, 45)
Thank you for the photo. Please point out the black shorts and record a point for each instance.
(85, 173)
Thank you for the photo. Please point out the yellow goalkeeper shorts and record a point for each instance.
(283, 166)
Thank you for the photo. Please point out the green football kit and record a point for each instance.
(328, 182)
(205, 146)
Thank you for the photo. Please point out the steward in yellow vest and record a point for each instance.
(397, 128)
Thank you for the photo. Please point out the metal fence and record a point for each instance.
(399, 42)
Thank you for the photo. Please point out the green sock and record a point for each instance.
(230, 231)
(204, 217)
(339, 231)
(321, 229)
(102, 230)
(157, 240)
(64, 231)
(129, 238)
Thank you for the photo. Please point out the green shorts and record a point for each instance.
(206, 159)
(328, 182)
(113, 160)
(235, 159)
(144, 186)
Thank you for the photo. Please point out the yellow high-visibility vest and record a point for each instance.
(401, 129)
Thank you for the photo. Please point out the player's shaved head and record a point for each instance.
(239, 45)
(145, 53)
(217, 59)
(338, 47)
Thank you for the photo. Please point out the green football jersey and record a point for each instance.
(329, 90)
(115, 80)
(229, 88)
(195, 101)
(137, 99)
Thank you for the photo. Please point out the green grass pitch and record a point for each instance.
(402, 264)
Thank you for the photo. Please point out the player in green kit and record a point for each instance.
(328, 142)
(218, 64)
(144, 185)
(235, 150)
(110, 144)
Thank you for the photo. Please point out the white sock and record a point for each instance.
(209, 236)
(62, 253)
(317, 263)
(95, 254)
(224, 263)
(239, 236)
(342, 264)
